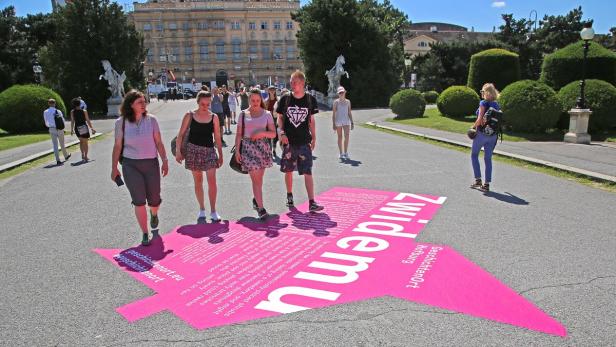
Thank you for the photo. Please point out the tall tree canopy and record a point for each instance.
(367, 33)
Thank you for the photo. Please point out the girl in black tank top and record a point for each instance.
(201, 134)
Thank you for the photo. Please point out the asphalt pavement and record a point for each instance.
(547, 238)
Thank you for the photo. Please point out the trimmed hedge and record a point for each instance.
(600, 98)
(530, 106)
(430, 96)
(497, 66)
(458, 101)
(565, 65)
(22, 106)
(407, 103)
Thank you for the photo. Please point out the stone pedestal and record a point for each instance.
(578, 126)
(113, 107)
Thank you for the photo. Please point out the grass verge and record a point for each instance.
(569, 176)
(46, 159)
(434, 120)
(11, 141)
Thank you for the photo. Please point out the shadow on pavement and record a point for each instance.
(319, 222)
(507, 197)
(271, 226)
(212, 231)
(141, 258)
(351, 162)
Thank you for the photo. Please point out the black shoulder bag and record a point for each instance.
(233, 163)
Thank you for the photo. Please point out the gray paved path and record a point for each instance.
(597, 157)
(549, 239)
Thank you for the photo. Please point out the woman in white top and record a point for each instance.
(343, 122)
(232, 104)
(258, 127)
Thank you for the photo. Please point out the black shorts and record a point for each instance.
(226, 111)
(221, 118)
(296, 158)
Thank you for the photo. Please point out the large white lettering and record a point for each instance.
(351, 272)
(391, 229)
(275, 304)
(439, 201)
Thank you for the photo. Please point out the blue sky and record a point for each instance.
(483, 15)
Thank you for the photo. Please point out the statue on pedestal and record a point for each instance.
(116, 87)
(334, 74)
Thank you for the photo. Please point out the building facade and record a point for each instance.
(420, 36)
(227, 41)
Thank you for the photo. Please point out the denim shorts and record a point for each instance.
(298, 158)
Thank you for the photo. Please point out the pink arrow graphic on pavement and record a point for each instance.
(362, 247)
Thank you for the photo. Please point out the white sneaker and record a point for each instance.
(341, 156)
(215, 217)
(201, 214)
(346, 156)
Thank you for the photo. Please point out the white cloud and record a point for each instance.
(498, 4)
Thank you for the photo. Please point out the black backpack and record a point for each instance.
(493, 122)
(59, 121)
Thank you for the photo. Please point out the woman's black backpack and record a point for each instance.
(493, 122)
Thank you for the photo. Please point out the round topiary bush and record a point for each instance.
(600, 98)
(458, 101)
(22, 106)
(407, 103)
(565, 65)
(430, 96)
(530, 106)
(497, 66)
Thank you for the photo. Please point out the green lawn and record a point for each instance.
(8, 141)
(433, 119)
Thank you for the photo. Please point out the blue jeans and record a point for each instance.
(488, 143)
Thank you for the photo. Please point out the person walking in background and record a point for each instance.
(271, 101)
(233, 104)
(54, 120)
(226, 110)
(203, 133)
(216, 107)
(343, 122)
(138, 142)
(257, 126)
(81, 126)
(297, 133)
(489, 95)
(243, 99)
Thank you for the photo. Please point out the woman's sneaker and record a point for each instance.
(145, 240)
(201, 214)
(314, 207)
(215, 217)
(290, 201)
(262, 213)
(254, 204)
(485, 187)
(477, 184)
(153, 221)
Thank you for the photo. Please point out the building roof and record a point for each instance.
(428, 26)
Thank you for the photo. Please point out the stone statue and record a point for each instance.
(334, 74)
(115, 80)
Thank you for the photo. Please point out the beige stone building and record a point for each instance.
(419, 36)
(229, 42)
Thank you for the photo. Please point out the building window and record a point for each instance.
(277, 25)
(219, 24)
(202, 25)
(188, 51)
(159, 27)
(252, 53)
(289, 25)
(252, 26)
(290, 52)
(278, 53)
(147, 27)
(263, 25)
(265, 53)
(186, 26)
(172, 26)
(150, 55)
(235, 26)
(204, 51)
(422, 44)
(220, 51)
(237, 49)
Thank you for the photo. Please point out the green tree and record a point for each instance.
(367, 33)
(89, 31)
(609, 40)
(556, 32)
(431, 74)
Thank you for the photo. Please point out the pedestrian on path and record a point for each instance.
(297, 133)
(138, 142)
(343, 122)
(226, 109)
(81, 126)
(488, 142)
(233, 105)
(243, 99)
(257, 126)
(271, 101)
(216, 107)
(203, 131)
(54, 120)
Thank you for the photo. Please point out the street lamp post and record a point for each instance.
(580, 115)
